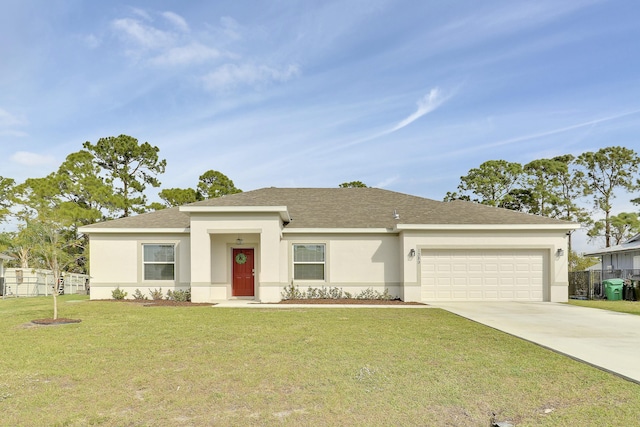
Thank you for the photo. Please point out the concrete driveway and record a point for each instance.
(605, 339)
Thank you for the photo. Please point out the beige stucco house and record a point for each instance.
(253, 244)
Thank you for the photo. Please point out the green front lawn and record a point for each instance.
(128, 365)
(631, 307)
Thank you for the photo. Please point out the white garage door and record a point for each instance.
(482, 275)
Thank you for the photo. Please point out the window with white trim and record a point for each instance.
(308, 261)
(158, 261)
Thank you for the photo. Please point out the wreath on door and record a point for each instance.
(241, 258)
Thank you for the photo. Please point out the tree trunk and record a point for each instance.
(607, 229)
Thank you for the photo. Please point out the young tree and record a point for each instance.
(50, 247)
(130, 167)
(607, 170)
(492, 182)
(215, 184)
(579, 262)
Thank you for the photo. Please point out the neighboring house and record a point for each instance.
(254, 244)
(624, 257)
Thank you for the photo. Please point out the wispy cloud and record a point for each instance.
(8, 119)
(27, 158)
(13, 133)
(484, 23)
(169, 42)
(10, 124)
(426, 104)
(184, 55)
(556, 131)
(177, 20)
(534, 136)
(231, 75)
(142, 35)
(92, 41)
(387, 182)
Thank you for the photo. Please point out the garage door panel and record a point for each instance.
(482, 275)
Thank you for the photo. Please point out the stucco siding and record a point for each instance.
(214, 237)
(116, 261)
(372, 259)
(354, 262)
(547, 241)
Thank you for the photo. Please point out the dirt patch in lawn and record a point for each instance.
(58, 321)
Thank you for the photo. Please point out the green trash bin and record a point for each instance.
(613, 289)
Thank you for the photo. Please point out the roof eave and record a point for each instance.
(607, 251)
(282, 210)
(352, 230)
(120, 230)
(418, 227)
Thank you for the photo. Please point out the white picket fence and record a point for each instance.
(28, 282)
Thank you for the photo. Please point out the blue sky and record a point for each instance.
(403, 95)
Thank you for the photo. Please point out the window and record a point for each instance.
(308, 262)
(159, 262)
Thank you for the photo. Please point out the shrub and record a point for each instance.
(370, 294)
(118, 293)
(137, 295)
(179, 296)
(156, 294)
(292, 292)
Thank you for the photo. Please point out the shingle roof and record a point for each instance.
(633, 244)
(344, 208)
(165, 218)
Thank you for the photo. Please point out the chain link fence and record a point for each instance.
(588, 284)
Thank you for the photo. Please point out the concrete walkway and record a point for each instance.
(242, 303)
(605, 339)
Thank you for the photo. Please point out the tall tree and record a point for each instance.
(623, 226)
(179, 196)
(492, 182)
(571, 182)
(607, 170)
(130, 167)
(543, 179)
(6, 196)
(353, 184)
(216, 184)
(79, 183)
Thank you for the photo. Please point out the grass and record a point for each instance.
(128, 365)
(631, 307)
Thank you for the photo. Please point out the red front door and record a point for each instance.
(242, 273)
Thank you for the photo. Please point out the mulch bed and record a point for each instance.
(344, 301)
(159, 302)
(349, 301)
(58, 321)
